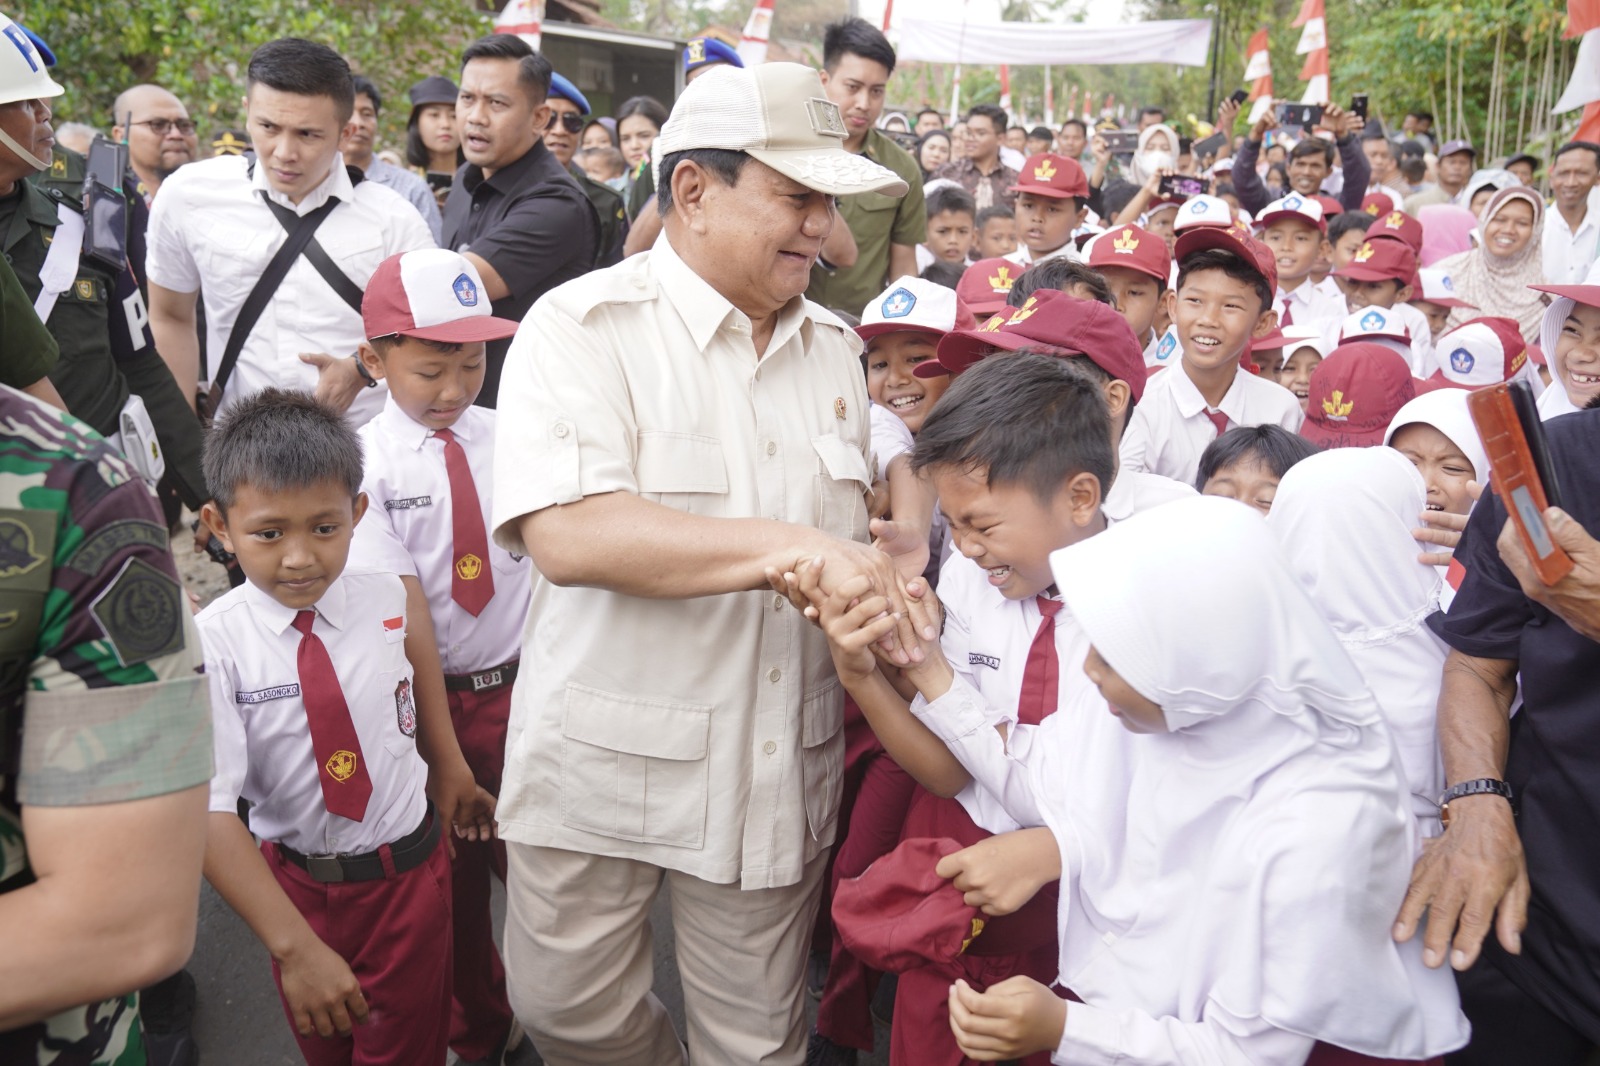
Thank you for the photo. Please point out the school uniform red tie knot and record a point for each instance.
(341, 766)
(471, 576)
(1041, 676)
(1219, 420)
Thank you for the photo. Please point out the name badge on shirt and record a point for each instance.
(979, 659)
(408, 503)
(267, 695)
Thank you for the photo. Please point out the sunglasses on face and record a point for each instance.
(160, 126)
(570, 122)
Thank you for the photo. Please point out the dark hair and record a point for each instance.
(1031, 420)
(1272, 446)
(990, 213)
(533, 69)
(1411, 149)
(941, 272)
(611, 134)
(363, 86)
(1058, 273)
(1424, 116)
(648, 106)
(859, 37)
(277, 441)
(952, 198)
(1078, 122)
(1413, 168)
(1115, 196)
(1345, 221)
(417, 153)
(934, 111)
(1152, 109)
(724, 163)
(995, 115)
(304, 68)
(1231, 265)
(1574, 146)
(610, 155)
(1224, 188)
(1042, 133)
(1093, 369)
(387, 343)
(1282, 173)
(1312, 146)
(1024, 129)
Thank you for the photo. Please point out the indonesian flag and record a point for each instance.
(1582, 16)
(1259, 64)
(888, 12)
(1314, 46)
(1583, 87)
(757, 31)
(1005, 88)
(521, 18)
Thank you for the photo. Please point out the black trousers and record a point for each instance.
(1510, 1027)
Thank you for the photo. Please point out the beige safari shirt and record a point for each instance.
(701, 735)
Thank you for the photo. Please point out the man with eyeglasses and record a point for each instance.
(514, 211)
(160, 135)
(569, 113)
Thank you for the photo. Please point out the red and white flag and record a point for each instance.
(521, 18)
(757, 31)
(1582, 16)
(888, 13)
(1005, 88)
(1314, 46)
(1258, 72)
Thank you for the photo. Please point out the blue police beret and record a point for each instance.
(704, 51)
(45, 54)
(563, 88)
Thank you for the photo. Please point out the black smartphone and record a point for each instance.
(1121, 142)
(105, 210)
(1533, 428)
(1180, 187)
(1210, 146)
(1358, 105)
(1303, 115)
(1239, 96)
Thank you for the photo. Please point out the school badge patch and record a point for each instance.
(341, 765)
(1371, 321)
(898, 304)
(405, 708)
(469, 567)
(1461, 361)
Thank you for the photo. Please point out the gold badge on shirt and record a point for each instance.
(839, 409)
(468, 567)
(341, 765)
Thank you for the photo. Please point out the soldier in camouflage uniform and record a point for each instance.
(101, 703)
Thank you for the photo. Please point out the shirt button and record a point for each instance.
(774, 674)
(777, 603)
(638, 283)
(772, 447)
(561, 429)
(769, 747)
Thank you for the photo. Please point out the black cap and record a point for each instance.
(434, 90)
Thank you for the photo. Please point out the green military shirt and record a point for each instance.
(877, 220)
(101, 698)
(27, 351)
(642, 189)
(608, 204)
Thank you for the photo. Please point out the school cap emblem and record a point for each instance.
(1044, 171)
(996, 320)
(1336, 407)
(1197, 208)
(1461, 361)
(1126, 242)
(1026, 311)
(469, 567)
(1395, 220)
(1293, 203)
(898, 304)
(466, 292)
(1001, 280)
(341, 765)
(1449, 286)
(1371, 321)
(1365, 253)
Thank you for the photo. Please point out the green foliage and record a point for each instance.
(199, 48)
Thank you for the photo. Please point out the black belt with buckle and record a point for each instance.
(407, 853)
(484, 680)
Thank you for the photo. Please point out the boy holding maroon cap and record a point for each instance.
(1223, 301)
(1051, 191)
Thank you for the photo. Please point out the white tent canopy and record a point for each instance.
(1185, 42)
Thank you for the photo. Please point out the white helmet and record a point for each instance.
(23, 74)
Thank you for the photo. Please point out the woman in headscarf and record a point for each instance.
(1495, 276)
(1157, 151)
(1484, 183)
(933, 152)
(1346, 520)
(1227, 889)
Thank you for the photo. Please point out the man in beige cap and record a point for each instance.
(674, 427)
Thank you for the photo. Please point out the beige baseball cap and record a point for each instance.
(778, 113)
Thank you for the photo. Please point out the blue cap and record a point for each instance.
(704, 51)
(563, 88)
(45, 54)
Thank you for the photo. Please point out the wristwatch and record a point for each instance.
(1477, 787)
(366, 375)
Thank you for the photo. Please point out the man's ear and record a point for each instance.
(215, 521)
(371, 360)
(541, 118)
(1266, 323)
(690, 183)
(1169, 304)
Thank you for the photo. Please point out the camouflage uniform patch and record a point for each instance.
(141, 613)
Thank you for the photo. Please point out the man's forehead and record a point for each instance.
(155, 102)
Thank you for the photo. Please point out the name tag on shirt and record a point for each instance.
(977, 659)
(408, 503)
(267, 695)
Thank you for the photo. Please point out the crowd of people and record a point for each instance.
(1041, 587)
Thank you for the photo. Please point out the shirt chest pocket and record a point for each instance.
(634, 769)
(841, 484)
(680, 470)
(874, 208)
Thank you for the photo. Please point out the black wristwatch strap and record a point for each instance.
(366, 375)
(1479, 786)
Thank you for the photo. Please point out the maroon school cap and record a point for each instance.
(1049, 319)
(1056, 176)
(1381, 261)
(1397, 226)
(433, 294)
(1354, 394)
(1236, 239)
(1588, 295)
(1330, 206)
(900, 914)
(1134, 248)
(985, 285)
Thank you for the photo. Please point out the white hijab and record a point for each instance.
(1145, 161)
(1554, 400)
(1345, 520)
(1263, 847)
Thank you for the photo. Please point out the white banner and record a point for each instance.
(1182, 42)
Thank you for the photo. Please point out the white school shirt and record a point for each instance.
(1169, 429)
(211, 231)
(1569, 256)
(407, 530)
(1312, 304)
(1024, 256)
(262, 743)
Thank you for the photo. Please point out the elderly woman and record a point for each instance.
(1495, 276)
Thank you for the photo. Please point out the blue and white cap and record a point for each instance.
(914, 305)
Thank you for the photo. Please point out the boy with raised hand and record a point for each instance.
(428, 475)
(318, 724)
(1223, 300)
(1293, 228)
(1051, 193)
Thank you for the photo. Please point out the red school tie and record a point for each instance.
(1041, 677)
(341, 768)
(1219, 420)
(471, 576)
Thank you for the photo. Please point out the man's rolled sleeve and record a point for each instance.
(1489, 613)
(535, 241)
(573, 434)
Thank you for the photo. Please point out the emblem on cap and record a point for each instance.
(1461, 361)
(1001, 280)
(898, 304)
(1395, 220)
(697, 50)
(1044, 171)
(1026, 311)
(1365, 252)
(1125, 243)
(825, 117)
(996, 320)
(341, 765)
(1337, 407)
(1449, 286)
(466, 292)
(1372, 320)
(839, 409)
(1198, 207)
(1293, 203)
(1372, 209)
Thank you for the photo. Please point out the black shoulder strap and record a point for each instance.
(318, 257)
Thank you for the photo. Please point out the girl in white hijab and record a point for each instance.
(1157, 151)
(1346, 520)
(1227, 892)
(1435, 431)
(1570, 326)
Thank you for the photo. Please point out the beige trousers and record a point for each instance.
(578, 954)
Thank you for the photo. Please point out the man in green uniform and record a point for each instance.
(857, 62)
(568, 107)
(96, 312)
(105, 736)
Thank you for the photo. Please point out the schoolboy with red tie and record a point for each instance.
(429, 462)
(318, 724)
